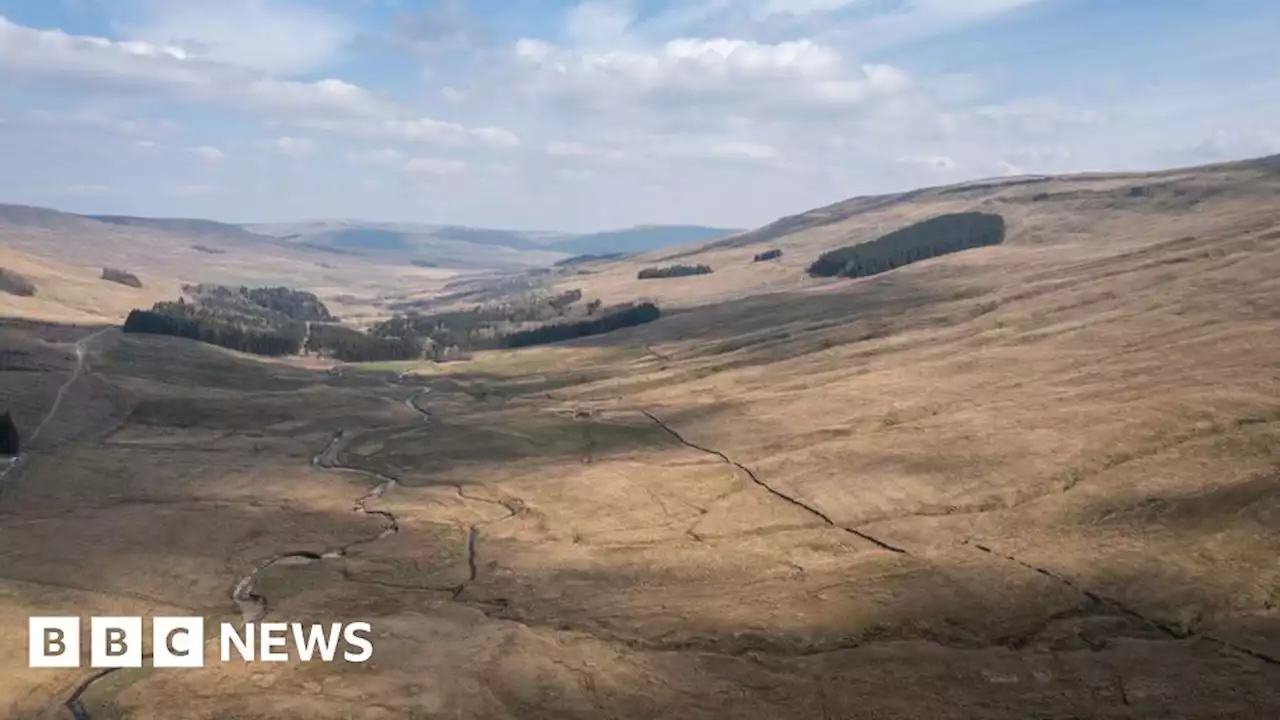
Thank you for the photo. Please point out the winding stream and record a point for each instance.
(253, 606)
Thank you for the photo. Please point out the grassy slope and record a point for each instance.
(1095, 400)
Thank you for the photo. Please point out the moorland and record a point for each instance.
(1038, 477)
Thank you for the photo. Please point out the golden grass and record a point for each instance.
(1072, 440)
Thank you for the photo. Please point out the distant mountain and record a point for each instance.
(637, 239)
(189, 227)
(467, 246)
(424, 245)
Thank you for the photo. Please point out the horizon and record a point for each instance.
(607, 113)
(1082, 174)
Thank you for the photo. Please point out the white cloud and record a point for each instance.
(293, 147)
(421, 129)
(452, 95)
(599, 23)
(794, 74)
(209, 153)
(274, 36)
(131, 67)
(89, 120)
(434, 166)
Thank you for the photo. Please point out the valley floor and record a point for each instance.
(1048, 487)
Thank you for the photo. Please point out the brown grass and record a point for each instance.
(1073, 440)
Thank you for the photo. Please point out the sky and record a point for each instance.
(579, 116)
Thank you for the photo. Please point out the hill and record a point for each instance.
(453, 245)
(638, 239)
(173, 252)
(195, 228)
(1085, 212)
(1027, 479)
(446, 246)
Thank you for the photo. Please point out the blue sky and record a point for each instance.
(545, 114)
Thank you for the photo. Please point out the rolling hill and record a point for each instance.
(1035, 478)
(452, 245)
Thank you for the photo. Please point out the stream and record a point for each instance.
(253, 606)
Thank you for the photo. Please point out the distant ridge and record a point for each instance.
(192, 227)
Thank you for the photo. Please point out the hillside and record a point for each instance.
(1027, 479)
(206, 229)
(1078, 214)
(175, 252)
(74, 294)
(638, 239)
(446, 246)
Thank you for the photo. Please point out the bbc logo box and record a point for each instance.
(179, 642)
(115, 642)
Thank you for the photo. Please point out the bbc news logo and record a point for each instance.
(179, 642)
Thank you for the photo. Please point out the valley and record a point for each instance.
(1037, 478)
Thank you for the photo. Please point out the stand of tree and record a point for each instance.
(673, 271)
(349, 345)
(293, 304)
(562, 301)
(637, 315)
(454, 333)
(578, 259)
(230, 331)
(937, 236)
(768, 255)
(9, 441)
(121, 276)
(16, 284)
(296, 304)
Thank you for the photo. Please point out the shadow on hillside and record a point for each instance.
(954, 647)
(876, 306)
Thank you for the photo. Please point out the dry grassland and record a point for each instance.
(1040, 480)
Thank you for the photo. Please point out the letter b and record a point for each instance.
(53, 642)
(115, 642)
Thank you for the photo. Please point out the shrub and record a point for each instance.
(122, 277)
(16, 284)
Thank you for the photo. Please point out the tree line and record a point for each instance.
(934, 237)
(637, 315)
(673, 271)
(228, 330)
(263, 321)
(578, 259)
